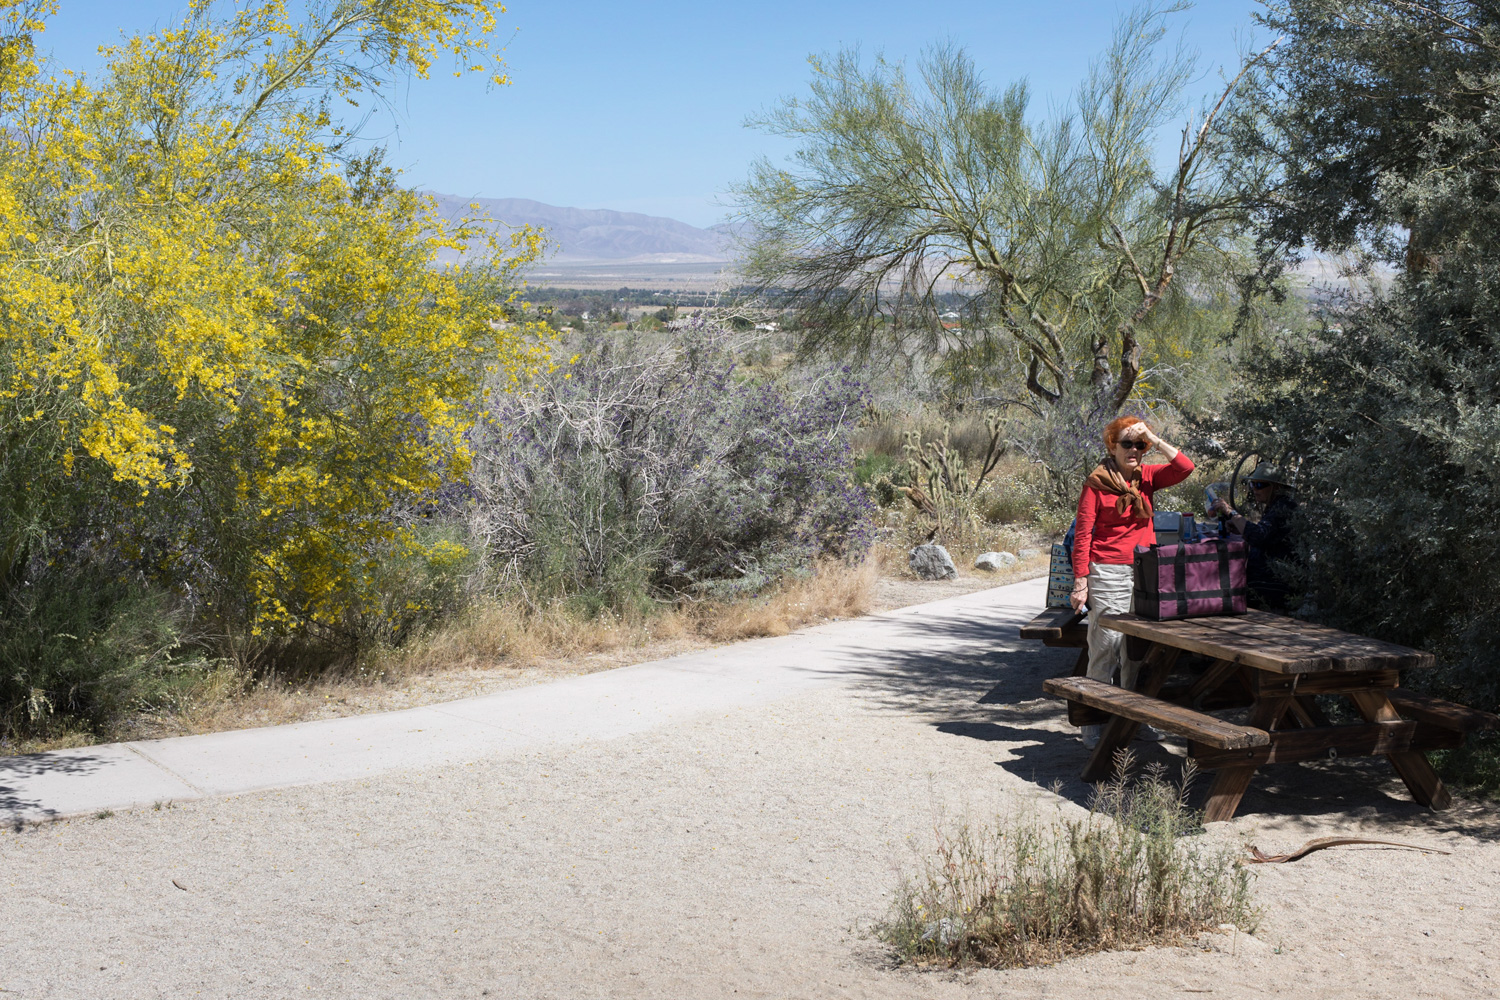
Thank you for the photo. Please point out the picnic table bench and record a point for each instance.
(1058, 627)
(1062, 627)
(1274, 666)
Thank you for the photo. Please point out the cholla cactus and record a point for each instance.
(949, 488)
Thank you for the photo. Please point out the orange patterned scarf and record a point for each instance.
(1107, 478)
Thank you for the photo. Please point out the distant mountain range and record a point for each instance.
(591, 234)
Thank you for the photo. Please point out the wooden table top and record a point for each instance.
(1273, 643)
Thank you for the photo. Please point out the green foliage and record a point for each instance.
(1070, 253)
(1013, 497)
(1473, 767)
(1392, 407)
(1369, 103)
(1027, 891)
(421, 582)
(872, 465)
(588, 545)
(81, 645)
(1395, 523)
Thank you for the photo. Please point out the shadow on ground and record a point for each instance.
(12, 769)
(974, 678)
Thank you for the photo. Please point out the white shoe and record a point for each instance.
(1090, 736)
(1149, 734)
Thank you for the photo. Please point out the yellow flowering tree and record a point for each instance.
(227, 348)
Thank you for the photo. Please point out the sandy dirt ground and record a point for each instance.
(742, 855)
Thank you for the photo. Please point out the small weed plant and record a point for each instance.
(1034, 890)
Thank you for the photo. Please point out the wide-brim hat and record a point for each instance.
(1265, 472)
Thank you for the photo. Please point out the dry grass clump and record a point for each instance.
(521, 634)
(1032, 891)
(835, 590)
(494, 645)
(886, 432)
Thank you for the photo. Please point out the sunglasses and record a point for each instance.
(1259, 486)
(1135, 445)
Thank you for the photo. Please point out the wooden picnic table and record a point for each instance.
(1274, 666)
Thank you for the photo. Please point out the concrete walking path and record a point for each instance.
(571, 712)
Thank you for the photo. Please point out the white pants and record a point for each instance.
(1110, 589)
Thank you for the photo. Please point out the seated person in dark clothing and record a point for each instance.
(1270, 538)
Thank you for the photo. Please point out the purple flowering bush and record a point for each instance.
(651, 468)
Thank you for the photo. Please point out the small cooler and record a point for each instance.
(1059, 577)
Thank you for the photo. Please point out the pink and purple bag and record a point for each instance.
(1191, 580)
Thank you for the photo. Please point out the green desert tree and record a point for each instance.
(1384, 116)
(1071, 251)
(229, 355)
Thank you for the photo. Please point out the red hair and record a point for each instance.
(1115, 428)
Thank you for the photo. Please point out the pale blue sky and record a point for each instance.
(639, 106)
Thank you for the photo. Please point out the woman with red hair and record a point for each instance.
(1114, 516)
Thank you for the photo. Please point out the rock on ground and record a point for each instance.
(932, 562)
(995, 560)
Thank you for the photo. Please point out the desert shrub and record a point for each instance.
(649, 469)
(1028, 890)
(872, 465)
(1393, 399)
(234, 347)
(230, 356)
(883, 432)
(1012, 496)
(420, 579)
(1391, 407)
(1474, 767)
(971, 437)
(81, 645)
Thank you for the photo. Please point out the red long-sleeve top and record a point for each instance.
(1103, 535)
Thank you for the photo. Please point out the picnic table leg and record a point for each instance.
(1212, 678)
(1118, 731)
(1225, 793)
(1230, 783)
(1421, 780)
